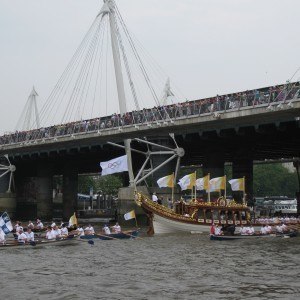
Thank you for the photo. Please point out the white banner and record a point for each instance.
(116, 165)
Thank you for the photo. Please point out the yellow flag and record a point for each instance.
(202, 183)
(237, 184)
(217, 183)
(187, 182)
(130, 215)
(167, 181)
(73, 220)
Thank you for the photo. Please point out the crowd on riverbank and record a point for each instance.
(251, 98)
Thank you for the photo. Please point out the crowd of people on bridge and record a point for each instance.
(251, 98)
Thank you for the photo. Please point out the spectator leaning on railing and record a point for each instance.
(227, 102)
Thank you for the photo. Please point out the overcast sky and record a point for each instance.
(207, 47)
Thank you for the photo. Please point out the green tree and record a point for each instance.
(85, 183)
(273, 180)
(109, 184)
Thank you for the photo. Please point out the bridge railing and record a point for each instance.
(270, 97)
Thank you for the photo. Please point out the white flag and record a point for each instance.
(187, 181)
(130, 215)
(167, 181)
(217, 184)
(116, 165)
(237, 184)
(5, 223)
(202, 183)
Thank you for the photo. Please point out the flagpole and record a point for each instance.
(195, 185)
(173, 184)
(208, 187)
(225, 186)
(244, 200)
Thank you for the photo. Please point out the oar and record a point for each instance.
(106, 236)
(91, 242)
(135, 237)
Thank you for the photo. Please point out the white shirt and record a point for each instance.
(80, 231)
(56, 232)
(154, 198)
(64, 231)
(40, 225)
(106, 230)
(217, 231)
(18, 228)
(268, 229)
(279, 229)
(117, 228)
(30, 236)
(30, 225)
(263, 230)
(49, 235)
(242, 230)
(22, 237)
(2, 236)
(90, 229)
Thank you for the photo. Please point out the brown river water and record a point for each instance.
(159, 267)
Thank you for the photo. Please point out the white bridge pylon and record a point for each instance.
(106, 77)
(29, 118)
(109, 9)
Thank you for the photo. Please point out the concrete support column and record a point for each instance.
(240, 168)
(214, 164)
(4, 182)
(158, 159)
(70, 189)
(44, 186)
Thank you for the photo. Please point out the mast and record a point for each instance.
(109, 8)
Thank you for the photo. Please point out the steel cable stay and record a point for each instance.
(86, 88)
(88, 74)
(73, 74)
(143, 69)
(58, 89)
(92, 63)
(137, 56)
(80, 79)
(98, 70)
(127, 68)
(155, 65)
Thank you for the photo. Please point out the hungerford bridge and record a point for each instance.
(240, 128)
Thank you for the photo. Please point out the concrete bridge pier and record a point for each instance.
(70, 189)
(214, 164)
(44, 196)
(7, 200)
(244, 167)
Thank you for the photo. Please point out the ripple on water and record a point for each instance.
(160, 267)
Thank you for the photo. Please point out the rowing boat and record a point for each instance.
(40, 243)
(214, 237)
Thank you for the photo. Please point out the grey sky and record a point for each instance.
(207, 47)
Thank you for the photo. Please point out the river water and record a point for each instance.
(159, 267)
